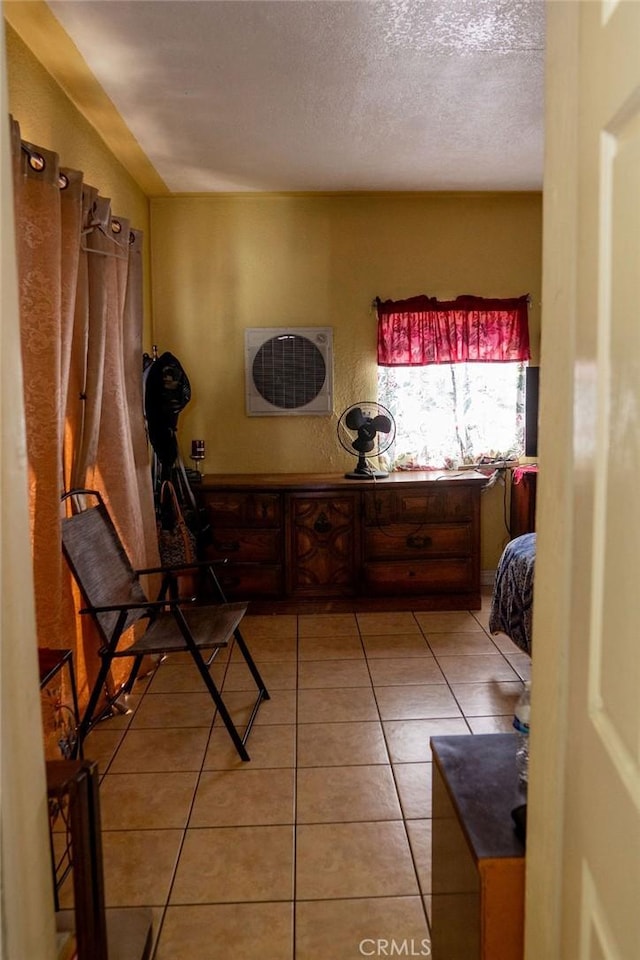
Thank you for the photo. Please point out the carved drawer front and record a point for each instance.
(242, 581)
(419, 506)
(422, 576)
(323, 545)
(408, 541)
(238, 544)
(243, 509)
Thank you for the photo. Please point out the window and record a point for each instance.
(448, 413)
(452, 374)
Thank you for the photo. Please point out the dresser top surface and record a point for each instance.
(320, 481)
(481, 777)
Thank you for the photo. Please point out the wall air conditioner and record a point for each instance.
(288, 371)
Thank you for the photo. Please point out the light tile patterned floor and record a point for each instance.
(322, 841)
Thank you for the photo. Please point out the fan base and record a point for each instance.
(368, 474)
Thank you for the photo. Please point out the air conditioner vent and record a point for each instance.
(288, 371)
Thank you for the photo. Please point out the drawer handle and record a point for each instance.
(322, 525)
(231, 546)
(417, 542)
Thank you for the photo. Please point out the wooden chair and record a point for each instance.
(115, 600)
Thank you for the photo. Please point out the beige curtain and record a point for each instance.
(111, 468)
(26, 894)
(131, 340)
(114, 426)
(79, 273)
(76, 402)
(38, 214)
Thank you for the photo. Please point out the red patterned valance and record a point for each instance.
(424, 330)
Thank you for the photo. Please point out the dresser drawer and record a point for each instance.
(422, 576)
(244, 545)
(323, 545)
(408, 541)
(243, 581)
(228, 509)
(419, 506)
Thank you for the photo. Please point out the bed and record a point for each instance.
(512, 598)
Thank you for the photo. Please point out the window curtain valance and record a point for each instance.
(423, 330)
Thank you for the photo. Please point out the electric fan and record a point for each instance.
(366, 430)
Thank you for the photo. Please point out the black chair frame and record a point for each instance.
(99, 564)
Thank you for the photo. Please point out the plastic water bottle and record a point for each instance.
(521, 725)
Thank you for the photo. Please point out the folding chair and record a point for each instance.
(116, 601)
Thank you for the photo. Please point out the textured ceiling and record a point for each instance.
(309, 95)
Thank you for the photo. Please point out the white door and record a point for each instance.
(594, 843)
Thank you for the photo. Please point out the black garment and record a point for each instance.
(167, 392)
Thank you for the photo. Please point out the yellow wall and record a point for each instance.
(48, 118)
(218, 264)
(221, 264)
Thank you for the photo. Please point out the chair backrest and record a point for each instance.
(99, 563)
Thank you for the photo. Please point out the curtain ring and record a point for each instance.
(37, 162)
(116, 226)
(63, 181)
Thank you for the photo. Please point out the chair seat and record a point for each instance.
(210, 626)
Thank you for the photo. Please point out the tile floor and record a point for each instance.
(323, 839)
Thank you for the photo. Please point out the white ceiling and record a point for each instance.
(323, 95)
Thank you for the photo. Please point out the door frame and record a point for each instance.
(555, 493)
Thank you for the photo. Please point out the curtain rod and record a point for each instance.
(377, 301)
(116, 227)
(104, 253)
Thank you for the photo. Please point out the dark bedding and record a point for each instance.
(512, 598)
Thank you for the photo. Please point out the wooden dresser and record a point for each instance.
(303, 539)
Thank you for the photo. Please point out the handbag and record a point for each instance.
(176, 542)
